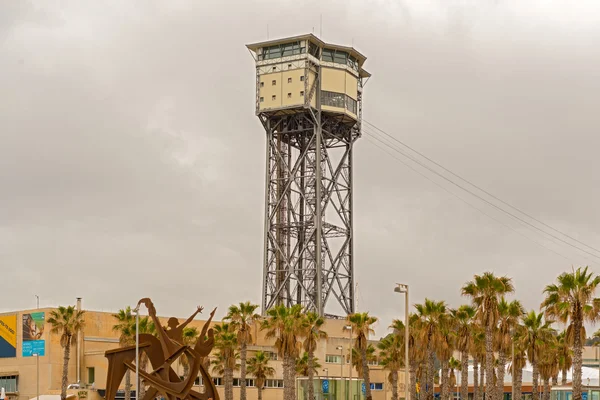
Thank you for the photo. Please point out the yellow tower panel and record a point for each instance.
(351, 86)
(292, 87)
(334, 80)
(270, 90)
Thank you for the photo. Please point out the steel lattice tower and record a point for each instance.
(309, 101)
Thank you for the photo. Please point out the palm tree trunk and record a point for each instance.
(430, 372)
(577, 358)
(366, 375)
(259, 389)
(186, 369)
(564, 377)
(311, 375)
(464, 375)
(413, 381)
(481, 382)
(500, 375)
(546, 393)
(535, 389)
(489, 361)
(394, 374)
(518, 382)
(476, 387)
(128, 385)
(65, 372)
(423, 382)
(444, 381)
(243, 352)
(228, 378)
(288, 379)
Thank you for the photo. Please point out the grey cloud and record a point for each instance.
(129, 144)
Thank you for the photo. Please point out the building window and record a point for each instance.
(289, 80)
(272, 355)
(10, 383)
(376, 386)
(199, 381)
(217, 381)
(274, 383)
(302, 78)
(333, 99)
(372, 362)
(249, 382)
(262, 84)
(274, 97)
(289, 95)
(262, 99)
(333, 359)
(302, 93)
(273, 83)
(351, 104)
(282, 50)
(91, 375)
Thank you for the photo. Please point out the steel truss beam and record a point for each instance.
(308, 215)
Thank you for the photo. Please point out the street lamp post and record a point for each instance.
(37, 375)
(137, 351)
(349, 328)
(341, 349)
(327, 379)
(403, 288)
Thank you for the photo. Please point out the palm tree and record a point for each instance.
(536, 332)
(454, 365)
(571, 301)
(415, 351)
(303, 365)
(548, 364)
(463, 318)
(391, 352)
(258, 367)
(312, 325)
(485, 291)
(434, 317)
(66, 321)
(242, 317)
(565, 355)
(518, 362)
(509, 315)
(124, 325)
(361, 325)
(190, 336)
(285, 326)
(357, 363)
(226, 361)
(478, 353)
(444, 350)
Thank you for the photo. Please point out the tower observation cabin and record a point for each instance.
(309, 101)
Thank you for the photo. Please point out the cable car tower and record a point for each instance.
(309, 101)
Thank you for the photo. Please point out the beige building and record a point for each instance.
(88, 365)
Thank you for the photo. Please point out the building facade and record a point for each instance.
(30, 353)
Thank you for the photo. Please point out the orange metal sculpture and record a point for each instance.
(162, 351)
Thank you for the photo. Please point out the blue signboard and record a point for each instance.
(584, 395)
(364, 389)
(325, 386)
(33, 343)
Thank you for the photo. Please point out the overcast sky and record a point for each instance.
(132, 164)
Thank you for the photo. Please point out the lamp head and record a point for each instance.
(400, 288)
